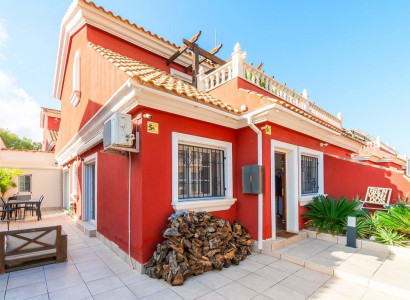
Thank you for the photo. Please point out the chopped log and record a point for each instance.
(195, 243)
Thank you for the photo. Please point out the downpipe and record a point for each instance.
(260, 196)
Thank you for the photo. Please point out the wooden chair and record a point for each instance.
(28, 248)
(376, 196)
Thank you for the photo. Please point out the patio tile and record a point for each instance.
(260, 297)
(60, 271)
(191, 289)
(234, 272)
(122, 293)
(63, 282)
(377, 295)
(40, 297)
(26, 271)
(313, 276)
(146, 287)
(285, 266)
(120, 267)
(212, 296)
(25, 279)
(164, 294)
(271, 274)
(3, 284)
(343, 287)
(280, 292)
(104, 285)
(300, 285)
(256, 283)
(236, 291)
(262, 259)
(213, 280)
(96, 273)
(327, 294)
(132, 276)
(79, 292)
(26, 291)
(250, 265)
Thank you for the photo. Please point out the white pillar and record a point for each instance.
(238, 57)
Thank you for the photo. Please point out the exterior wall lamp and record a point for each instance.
(323, 144)
(147, 116)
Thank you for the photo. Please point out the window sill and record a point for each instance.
(305, 200)
(204, 205)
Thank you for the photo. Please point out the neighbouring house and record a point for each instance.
(193, 142)
(41, 175)
(50, 123)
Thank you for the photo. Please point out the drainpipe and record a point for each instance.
(260, 196)
(129, 209)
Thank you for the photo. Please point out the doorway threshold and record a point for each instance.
(88, 228)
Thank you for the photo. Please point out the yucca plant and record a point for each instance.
(329, 215)
(397, 217)
(389, 236)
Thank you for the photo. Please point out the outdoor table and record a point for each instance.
(32, 202)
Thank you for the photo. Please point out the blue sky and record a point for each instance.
(351, 56)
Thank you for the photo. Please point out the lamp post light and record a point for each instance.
(351, 232)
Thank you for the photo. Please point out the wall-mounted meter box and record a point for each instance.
(252, 179)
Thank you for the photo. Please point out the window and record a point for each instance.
(25, 184)
(309, 175)
(200, 172)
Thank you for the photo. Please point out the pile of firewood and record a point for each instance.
(195, 243)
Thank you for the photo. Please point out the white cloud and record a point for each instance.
(19, 112)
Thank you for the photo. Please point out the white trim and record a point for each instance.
(66, 172)
(210, 204)
(74, 99)
(74, 180)
(19, 185)
(305, 199)
(292, 186)
(93, 158)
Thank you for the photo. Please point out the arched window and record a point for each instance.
(76, 94)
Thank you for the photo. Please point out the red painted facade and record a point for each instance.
(150, 187)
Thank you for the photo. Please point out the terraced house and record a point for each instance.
(141, 137)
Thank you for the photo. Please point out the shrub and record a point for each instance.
(364, 226)
(7, 179)
(329, 215)
(389, 236)
(397, 218)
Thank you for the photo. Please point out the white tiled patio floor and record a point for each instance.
(93, 271)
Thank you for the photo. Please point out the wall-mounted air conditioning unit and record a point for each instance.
(117, 134)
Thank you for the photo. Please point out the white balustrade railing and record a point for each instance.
(210, 81)
(237, 67)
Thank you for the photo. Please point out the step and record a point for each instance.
(87, 228)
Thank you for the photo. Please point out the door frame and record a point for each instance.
(66, 188)
(87, 161)
(292, 186)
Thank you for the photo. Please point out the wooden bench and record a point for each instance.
(28, 248)
(376, 196)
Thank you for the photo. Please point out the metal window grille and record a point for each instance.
(200, 172)
(309, 174)
(25, 184)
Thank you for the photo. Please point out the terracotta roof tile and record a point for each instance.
(161, 79)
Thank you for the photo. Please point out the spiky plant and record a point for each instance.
(364, 226)
(329, 215)
(397, 217)
(389, 236)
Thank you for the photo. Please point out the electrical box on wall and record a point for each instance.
(118, 135)
(252, 179)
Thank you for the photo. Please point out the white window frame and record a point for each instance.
(76, 93)
(31, 184)
(93, 158)
(202, 204)
(305, 199)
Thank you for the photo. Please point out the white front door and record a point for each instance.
(89, 193)
(291, 211)
(66, 189)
